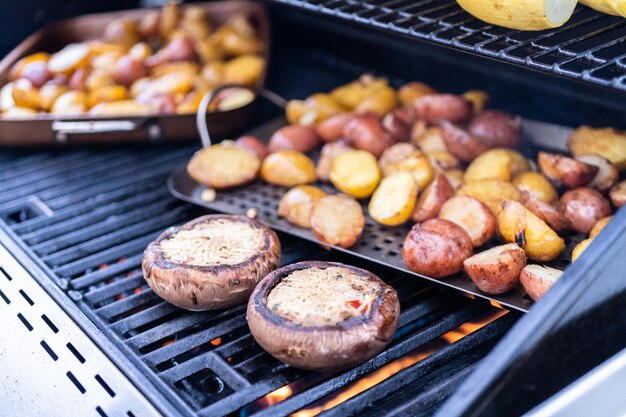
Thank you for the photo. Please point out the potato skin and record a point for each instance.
(500, 273)
(546, 212)
(432, 198)
(584, 207)
(297, 203)
(404, 157)
(473, 216)
(618, 194)
(253, 144)
(434, 108)
(607, 175)
(497, 128)
(344, 345)
(366, 132)
(436, 248)
(537, 280)
(564, 170)
(294, 137)
(337, 220)
(460, 143)
(331, 129)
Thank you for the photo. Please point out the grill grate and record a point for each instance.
(590, 47)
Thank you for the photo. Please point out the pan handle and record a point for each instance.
(62, 131)
(208, 98)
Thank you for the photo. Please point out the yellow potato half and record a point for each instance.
(394, 200)
(355, 173)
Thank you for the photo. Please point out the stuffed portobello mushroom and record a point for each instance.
(323, 315)
(211, 262)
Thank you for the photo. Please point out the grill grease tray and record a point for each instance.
(381, 244)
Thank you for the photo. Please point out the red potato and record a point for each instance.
(366, 132)
(460, 143)
(434, 108)
(78, 79)
(436, 248)
(129, 69)
(329, 152)
(158, 102)
(584, 207)
(607, 175)
(546, 212)
(432, 198)
(472, 215)
(149, 24)
(618, 194)
(496, 270)
(331, 129)
(294, 137)
(538, 279)
(398, 123)
(253, 144)
(567, 171)
(36, 72)
(497, 128)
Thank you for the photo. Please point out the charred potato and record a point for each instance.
(220, 166)
(434, 108)
(491, 192)
(567, 171)
(496, 270)
(536, 185)
(403, 157)
(337, 220)
(584, 207)
(355, 173)
(297, 203)
(460, 143)
(288, 168)
(618, 194)
(294, 137)
(472, 215)
(519, 225)
(366, 132)
(432, 198)
(329, 152)
(436, 248)
(497, 128)
(538, 279)
(607, 175)
(608, 143)
(546, 212)
(394, 200)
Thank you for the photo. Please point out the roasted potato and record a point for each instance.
(607, 175)
(584, 207)
(355, 173)
(404, 157)
(491, 192)
(519, 163)
(460, 143)
(561, 169)
(436, 248)
(443, 160)
(337, 220)
(331, 129)
(106, 94)
(366, 132)
(120, 108)
(398, 123)
(26, 98)
(519, 225)
(537, 279)
(546, 212)
(608, 143)
(244, 69)
(223, 166)
(297, 203)
(580, 248)
(253, 144)
(601, 224)
(432, 198)
(434, 108)
(454, 177)
(496, 270)
(408, 93)
(536, 185)
(327, 155)
(478, 98)
(73, 56)
(492, 164)
(618, 194)
(428, 139)
(33, 68)
(315, 109)
(288, 168)
(122, 32)
(70, 103)
(294, 137)
(497, 128)
(394, 200)
(379, 101)
(472, 215)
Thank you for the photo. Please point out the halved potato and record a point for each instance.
(288, 168)
(70, 103)
(443, 160)
(601, 224)
(537, 185)
(297, 203)
(567, 171)
(222, 166)
(454, 177)
(580, 248)
(315, 109)
(432, 198)
(73, 56)
(366, 132)
(404, 157)
(608, 143)
(328, 154)
(491, 192)
(492, 164)
(337, 220)
(120, 108)
(460, 143)
(546, 212)
(428, 139)
(472, 215)
(496, 270)
(519, 225)
(355, 173)
(618, 194)
(607, 175)
(537, 279)
(394, 200)
(379, 101)
(410, 92)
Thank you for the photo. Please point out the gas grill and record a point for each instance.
(75, 222)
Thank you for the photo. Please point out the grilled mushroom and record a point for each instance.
(211, 262)
(323, 315)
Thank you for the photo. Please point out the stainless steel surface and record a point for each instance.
(599, 393)
(49, 366)
(379, 243)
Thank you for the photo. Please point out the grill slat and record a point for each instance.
(110, 290)
(144, 317)
(110, 271)
(208, 360)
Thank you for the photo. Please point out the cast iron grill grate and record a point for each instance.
(590, 47)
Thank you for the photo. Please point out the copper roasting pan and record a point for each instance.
(46, 129)
(378, 243)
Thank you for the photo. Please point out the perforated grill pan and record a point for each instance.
(379, 243)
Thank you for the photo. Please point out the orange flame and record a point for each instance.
(277, 396)
(216, 342)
